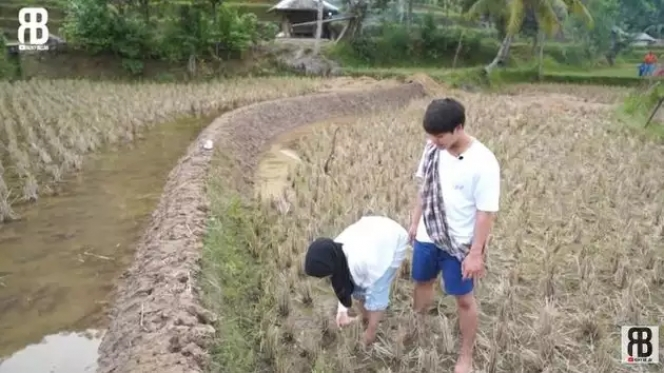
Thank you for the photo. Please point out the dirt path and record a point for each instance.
(157, 323)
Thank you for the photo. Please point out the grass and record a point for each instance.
(49, 126)
(620, 75)
(232, 281)
(574, 253)
(638, 107)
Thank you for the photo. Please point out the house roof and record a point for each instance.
(644, 37)
(302, 5)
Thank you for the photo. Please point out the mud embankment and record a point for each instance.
(157, 322)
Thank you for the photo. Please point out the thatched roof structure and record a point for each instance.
(303, 5)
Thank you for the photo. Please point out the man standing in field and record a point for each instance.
(362, 261)
(649, 62)
(453, 216)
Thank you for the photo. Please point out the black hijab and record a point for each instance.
(325, 258)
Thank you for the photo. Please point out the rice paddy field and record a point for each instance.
(82, 167)
(48, 126)
(577, 250)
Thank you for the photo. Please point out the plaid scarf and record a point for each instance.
(433, 209)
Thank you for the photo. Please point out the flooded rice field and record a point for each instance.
(59, 262)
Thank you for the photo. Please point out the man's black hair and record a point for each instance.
(443, 115)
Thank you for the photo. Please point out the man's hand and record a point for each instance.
(412, 232)
(343, 319)
(473, 265)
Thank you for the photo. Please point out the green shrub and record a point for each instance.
(641, 102)
(260, 10)
(173, 32)
(561, 53)
(6, 67)
(424, 45)
(267, 30)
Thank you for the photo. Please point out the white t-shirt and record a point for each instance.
(469, 184)
(372, 245)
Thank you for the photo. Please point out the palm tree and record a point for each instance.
(548, 14)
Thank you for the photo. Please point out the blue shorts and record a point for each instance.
(428, 260)
(377, 297)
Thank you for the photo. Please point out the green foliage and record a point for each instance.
(425, 45)
(564, 54)
(171, 32)
(4, 63)
(637, 15)
(237, 296)
(8, 66)
(596, 40)
(642, 102)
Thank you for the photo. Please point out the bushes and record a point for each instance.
(429, 44)
(394, 45)
(172, 32)
(565, 54)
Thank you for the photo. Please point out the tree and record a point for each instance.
(599, 40)
(637, 15)
(548, 14)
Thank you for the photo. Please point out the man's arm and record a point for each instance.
(487, 203)
(416, 212)
(483, 225)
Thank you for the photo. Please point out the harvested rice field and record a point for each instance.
(82, 168)
(48, 126)
(577, 249)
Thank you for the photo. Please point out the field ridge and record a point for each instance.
(158, 322)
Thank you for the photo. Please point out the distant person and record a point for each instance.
(453, 216)
(362, 263)
(649, 62)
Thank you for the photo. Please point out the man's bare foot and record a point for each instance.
(464, 365)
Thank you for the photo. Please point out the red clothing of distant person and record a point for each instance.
(650, 58)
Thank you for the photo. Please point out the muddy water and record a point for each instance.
(276, 161)
(273, 170)
(278, 158)
(58, 264)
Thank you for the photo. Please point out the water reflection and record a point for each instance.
(57, 353)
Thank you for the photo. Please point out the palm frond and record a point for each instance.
(481, 7)
(578, 8)
(517, 10)
(547, 17)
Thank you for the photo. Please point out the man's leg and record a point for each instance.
(377, 300)
(424, 271)
(462, 290)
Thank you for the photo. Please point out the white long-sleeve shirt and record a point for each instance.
(372, 245)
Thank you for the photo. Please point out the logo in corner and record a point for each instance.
(34, 22)
(640, 344)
